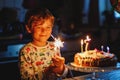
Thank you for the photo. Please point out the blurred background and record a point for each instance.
(74, 20)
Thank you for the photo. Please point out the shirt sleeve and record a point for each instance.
(26, 68)
(65, 72)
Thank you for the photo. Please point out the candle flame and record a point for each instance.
(87, 39)
(82, 42)
(108, 49)
(102, 47)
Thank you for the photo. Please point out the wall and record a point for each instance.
(15, 4)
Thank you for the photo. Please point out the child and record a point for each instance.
(38, 59)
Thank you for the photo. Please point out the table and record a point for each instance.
(112, 75)
(102, 75)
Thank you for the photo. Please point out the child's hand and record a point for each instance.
(58, 64)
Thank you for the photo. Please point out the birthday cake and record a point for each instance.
(95, 58)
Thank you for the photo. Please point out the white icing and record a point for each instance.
(95, 54)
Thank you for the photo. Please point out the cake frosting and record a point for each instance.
(95, 58)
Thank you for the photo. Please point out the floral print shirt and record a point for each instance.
(33, 60)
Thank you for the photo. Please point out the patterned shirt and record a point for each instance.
(33, 60)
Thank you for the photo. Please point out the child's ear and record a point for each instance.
(28, 29)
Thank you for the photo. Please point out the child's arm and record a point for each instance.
(26, 67)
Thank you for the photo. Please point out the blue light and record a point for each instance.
(116, 14)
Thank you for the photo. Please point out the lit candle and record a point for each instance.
(102, 47)
(108, 49)
(87, 40)
(82, 45)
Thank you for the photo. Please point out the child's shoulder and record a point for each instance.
(27, 45)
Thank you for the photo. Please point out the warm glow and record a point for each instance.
(102, 47)
(87, 39)
(82, 42)
(58, 43)
(108, 49)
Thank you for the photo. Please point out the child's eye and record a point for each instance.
(49, 27)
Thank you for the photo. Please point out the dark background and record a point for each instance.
(74, 20)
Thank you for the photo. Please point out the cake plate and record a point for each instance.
(92, 70)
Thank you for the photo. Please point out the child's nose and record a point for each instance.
(43, 30)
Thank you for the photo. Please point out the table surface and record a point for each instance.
(112, 75)
(107, 75)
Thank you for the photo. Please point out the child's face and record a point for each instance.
(41, 32)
